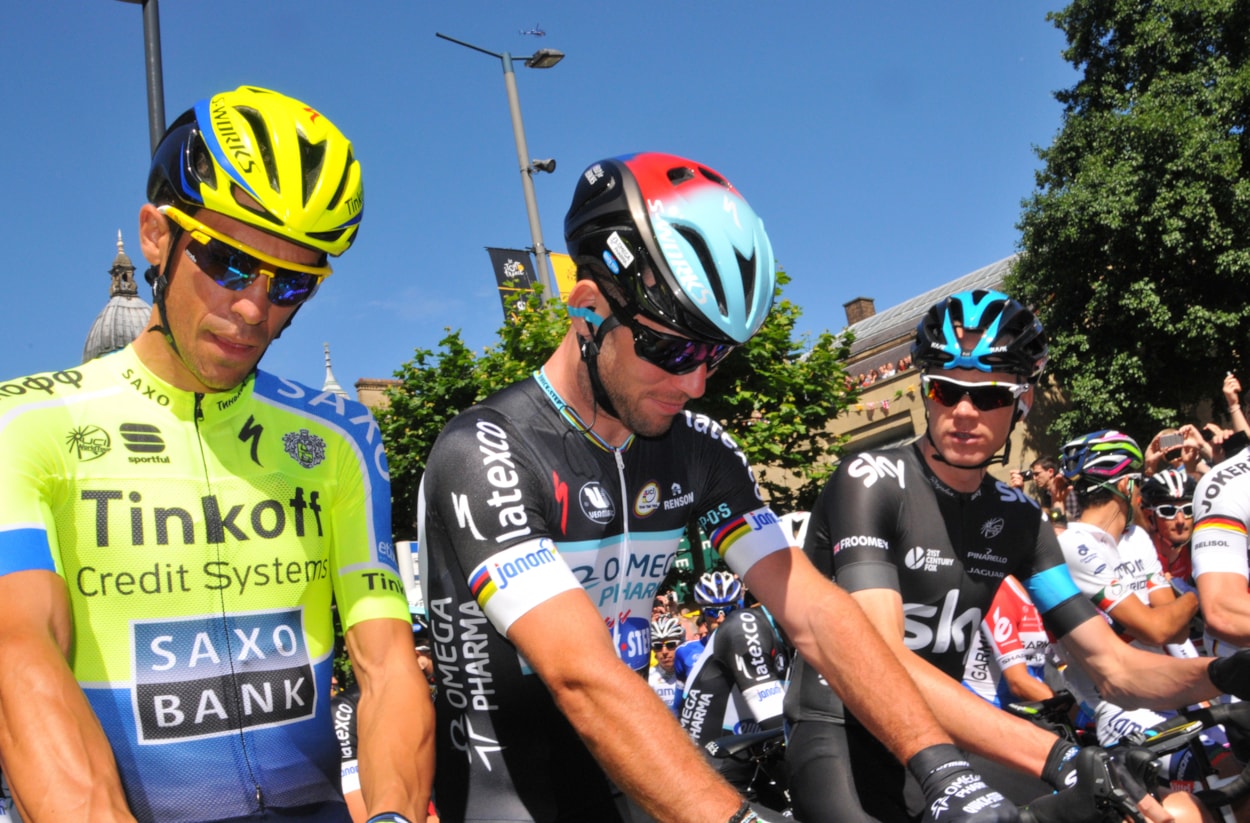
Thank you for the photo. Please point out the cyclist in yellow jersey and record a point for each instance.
(175, 523)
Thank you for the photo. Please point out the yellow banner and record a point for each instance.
(564, 272)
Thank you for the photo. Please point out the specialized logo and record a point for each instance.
(466, 740)
(214, 675)
(993, 527)
(88, 442)
(596, 502)
(648, 500)
(304, 447)
(250, 433)
(142, 438)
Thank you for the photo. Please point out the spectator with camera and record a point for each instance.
(1185, 448)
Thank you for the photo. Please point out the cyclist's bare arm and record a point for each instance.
(1226, 606)
(1024, 685)
(832, 634)
(54, 751)
(1166, 622)
(1135, 678)
(396, 722)
(974, 724)
(622, 721)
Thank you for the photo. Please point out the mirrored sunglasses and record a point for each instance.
(674, 354)
(667, 644)
(985, 396)
(715, 612)
(1168, 512)
(234, 266)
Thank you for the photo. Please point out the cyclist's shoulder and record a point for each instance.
(1225, 489)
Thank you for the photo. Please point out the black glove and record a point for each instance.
(953, 792)
(1103, 790)
(1231, 675)
(1060, 769)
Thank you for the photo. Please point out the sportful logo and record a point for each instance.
(145, 439)
(88, 442)
(304, 447)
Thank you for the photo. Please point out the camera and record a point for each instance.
(1027, 474)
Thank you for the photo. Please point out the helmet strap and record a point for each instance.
(589, 350)
(158, 279)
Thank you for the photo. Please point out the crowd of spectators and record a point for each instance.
(865, 379)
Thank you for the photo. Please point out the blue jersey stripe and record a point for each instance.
(1051, 587)
(22, 549)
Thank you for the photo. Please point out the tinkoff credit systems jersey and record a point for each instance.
(201, 538)
(520, 504)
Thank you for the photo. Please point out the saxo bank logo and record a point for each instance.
(209, 676)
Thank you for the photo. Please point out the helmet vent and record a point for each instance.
(680, 174)
(714, 177)
(338, 193)
(746, 267)
(311, 157)
(707, 264)
(263, 146)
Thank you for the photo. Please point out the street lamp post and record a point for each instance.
(152, 58)
(541, 59)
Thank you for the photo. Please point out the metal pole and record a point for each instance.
(527, 179)
(156, 80)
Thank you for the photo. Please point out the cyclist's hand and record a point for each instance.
(1231, 675)
(1103, 790)
(953, 792)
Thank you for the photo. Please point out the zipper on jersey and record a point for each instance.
(622, 556)
(232, 697)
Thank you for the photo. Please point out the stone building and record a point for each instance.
(124, 316)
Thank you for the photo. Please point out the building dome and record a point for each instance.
(126, 314)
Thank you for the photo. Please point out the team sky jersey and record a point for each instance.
(736, 686)
(1011, 634)
(201, 538)
(1221, 515)
(885, 521)
(519, 504)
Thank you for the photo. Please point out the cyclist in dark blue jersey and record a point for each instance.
(922, 537)
(551, 513)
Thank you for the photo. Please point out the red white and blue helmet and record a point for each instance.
(1012, 339)
(717, 589)
(666, 627)
(678, 241)
(1100, 457)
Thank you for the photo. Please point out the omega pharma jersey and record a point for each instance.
(520, 504)
(201, 538)
(885, 521)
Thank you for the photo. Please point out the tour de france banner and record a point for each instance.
(514, 273)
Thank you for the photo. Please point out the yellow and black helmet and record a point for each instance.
(267, 160)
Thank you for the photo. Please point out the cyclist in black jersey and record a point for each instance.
(922, 536)
(551, 513)
(166, 641)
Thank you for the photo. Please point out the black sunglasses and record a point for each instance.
(986, 396)
(674, 354)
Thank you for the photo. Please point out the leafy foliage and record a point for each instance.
(1135, 239)
(774, 395)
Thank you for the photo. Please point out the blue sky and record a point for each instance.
(886, 145)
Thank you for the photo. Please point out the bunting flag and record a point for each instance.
(514, 274)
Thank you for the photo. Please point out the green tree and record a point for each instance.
(1135, 239)
(774, 395)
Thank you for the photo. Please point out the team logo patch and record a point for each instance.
(142, 438)
(648, 500)
(993, 527)
(306, 448)
(88, 442)
(596, 502)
